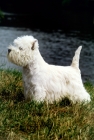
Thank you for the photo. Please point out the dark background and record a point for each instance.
(65, 14)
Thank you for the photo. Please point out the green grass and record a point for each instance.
(20, 120)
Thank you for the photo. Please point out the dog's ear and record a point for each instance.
(33, 45)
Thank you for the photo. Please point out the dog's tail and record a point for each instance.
(75, 61)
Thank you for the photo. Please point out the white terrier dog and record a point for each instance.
(44, 82)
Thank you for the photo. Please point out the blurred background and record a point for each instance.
(59, 25)
(48, 14)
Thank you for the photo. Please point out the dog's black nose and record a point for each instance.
(9, 50)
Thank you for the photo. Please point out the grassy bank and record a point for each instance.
(20, 120)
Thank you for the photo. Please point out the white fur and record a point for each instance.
(44, 82)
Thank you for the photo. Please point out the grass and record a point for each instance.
(20, 120)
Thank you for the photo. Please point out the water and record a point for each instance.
(57, 47)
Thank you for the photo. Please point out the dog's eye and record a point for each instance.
(20, 48)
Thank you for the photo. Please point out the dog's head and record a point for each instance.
(22, 51)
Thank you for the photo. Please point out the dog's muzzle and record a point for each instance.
(9, 50)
